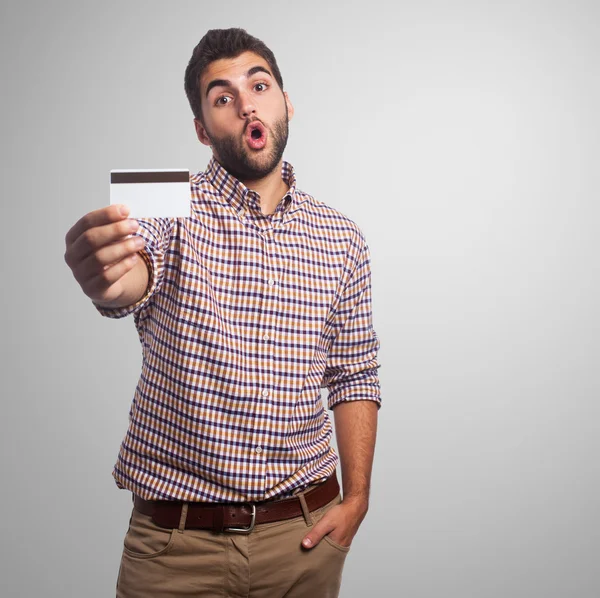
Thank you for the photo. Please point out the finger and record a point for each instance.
(99, 217)
(107, 257)
(317, 532)
(92, 239)
(111, 275)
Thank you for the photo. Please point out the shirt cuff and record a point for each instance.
(363, 386)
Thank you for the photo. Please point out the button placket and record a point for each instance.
(267, 338)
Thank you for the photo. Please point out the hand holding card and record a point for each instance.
(152, 193)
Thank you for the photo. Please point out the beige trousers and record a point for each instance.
(267, 563)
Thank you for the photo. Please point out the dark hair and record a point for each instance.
(217, 44)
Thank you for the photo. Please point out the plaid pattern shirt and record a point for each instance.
(246, 317)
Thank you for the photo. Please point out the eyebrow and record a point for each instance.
(227, 83)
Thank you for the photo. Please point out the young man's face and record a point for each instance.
(245, 115)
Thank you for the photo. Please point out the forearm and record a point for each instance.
(356, 432)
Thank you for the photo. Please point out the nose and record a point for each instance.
(247, 107)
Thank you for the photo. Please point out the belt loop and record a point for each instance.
(218, 518)
(305, 511)
(183, 518)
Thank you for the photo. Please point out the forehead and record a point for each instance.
(231, 68)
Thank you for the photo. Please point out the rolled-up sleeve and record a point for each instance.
(351, 373)
(156, 232)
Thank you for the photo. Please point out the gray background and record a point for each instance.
(463, 138)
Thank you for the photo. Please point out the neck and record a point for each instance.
(271, 189)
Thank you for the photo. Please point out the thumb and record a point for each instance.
(316, 534)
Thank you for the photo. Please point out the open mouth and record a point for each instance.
(256, 135)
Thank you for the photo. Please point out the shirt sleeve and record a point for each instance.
(351, 371)
(157, 234)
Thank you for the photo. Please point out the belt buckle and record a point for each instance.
(244, 530)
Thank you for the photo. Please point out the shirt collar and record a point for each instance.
(241, 198)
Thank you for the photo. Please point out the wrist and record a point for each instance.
(360, 502)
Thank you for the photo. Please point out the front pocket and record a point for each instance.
(145, 539)
(318, 514)
(337, 546)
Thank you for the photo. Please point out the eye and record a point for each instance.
(219, 101)
(263, 85)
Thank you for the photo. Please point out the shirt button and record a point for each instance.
(258, 449)
(265, 393)
(266, 337)
(271, 282)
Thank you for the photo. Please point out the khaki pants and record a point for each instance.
(267, 563)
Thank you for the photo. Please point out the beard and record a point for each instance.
(239, 161)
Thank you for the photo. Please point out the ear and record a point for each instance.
(290, 106)
(201, 132)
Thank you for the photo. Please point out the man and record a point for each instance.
(244, 311)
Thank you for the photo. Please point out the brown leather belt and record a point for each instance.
(235, 517)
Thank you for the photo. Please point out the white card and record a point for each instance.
(152, 193)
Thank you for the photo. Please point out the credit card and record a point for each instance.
(152, 193)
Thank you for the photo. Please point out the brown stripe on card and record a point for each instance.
(182, 176)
